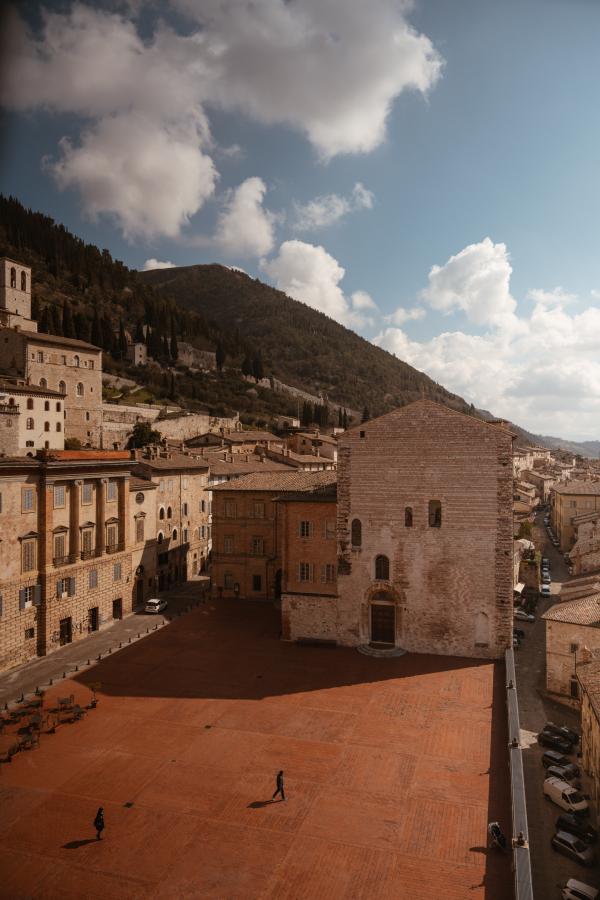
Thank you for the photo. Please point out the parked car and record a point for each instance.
(523, 616)
(155, 605)
(553, 758)
(562, 731)
(573, 847)
(555, 541)
(571, 570)
(546, 578)
(565, 796)
(547, 739)
(518, 632)
(545, 561)
(545, 590)
(565, 773)
(577, 890)
(577, 826)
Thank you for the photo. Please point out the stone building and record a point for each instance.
(313, 442)
(65, 556)
(142, 538)
(247, 536)
(137, 353)
(31, 418)
(588, 676)
(584, 555)
(572, 631)
(424, 532)
(570, 500)
(181, 527)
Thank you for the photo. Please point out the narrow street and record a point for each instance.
(548, 867)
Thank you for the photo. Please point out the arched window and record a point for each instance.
(46, 426)
(62, 387)
(23, 281)
(408, 517)
(356, 533)
(174, 534)
(43, 383)
(435, 514)
(76, 360)
(13, 277)
(58, 407)
(382, 568)
(47, 445)
(46, 405)
(169, 513)
(79, 389)
(11, 401)
(30, 403)
(58, 426)
(161, 537)
(30, 424)
(482, 629)
(161, 513)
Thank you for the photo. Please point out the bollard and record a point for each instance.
(129, 640)
(50, 682)
(139, 634)
(120, 644)
(110, 649)
(21, 698)
(77, 668)
(64, 674)
(99, 657)
(147, 629)
(88, 662)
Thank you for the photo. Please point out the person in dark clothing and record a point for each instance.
(99, 824)
(279, 788)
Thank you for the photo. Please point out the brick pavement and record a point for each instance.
(393, 769)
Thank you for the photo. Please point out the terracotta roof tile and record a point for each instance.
(279, 481)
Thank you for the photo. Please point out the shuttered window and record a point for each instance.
(28, 555)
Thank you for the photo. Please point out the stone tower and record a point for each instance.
(15, 295)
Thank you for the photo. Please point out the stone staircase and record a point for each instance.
(380, 652)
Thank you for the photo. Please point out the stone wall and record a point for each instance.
(585, 555)
(560, 660)
(309, 617)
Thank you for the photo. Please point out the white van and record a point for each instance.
(564, 795)
(577, 890)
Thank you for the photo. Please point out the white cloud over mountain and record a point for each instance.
(156, 264)
(330, 69)
(331, 208)
(245, 227)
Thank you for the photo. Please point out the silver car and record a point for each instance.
(574, 848)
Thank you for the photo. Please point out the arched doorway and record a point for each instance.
(382, 619)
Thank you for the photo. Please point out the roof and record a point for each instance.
(239, 437)
(175, 461)
(325, 493)
(141, 484)
(585, 611)
(219, 466)
(317, 437)
(29, 389)
(578, 487)
(37, 337)
(293, 480)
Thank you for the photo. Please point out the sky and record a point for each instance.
(425, 173)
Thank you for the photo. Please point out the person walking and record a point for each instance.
(99, 824)
(279, 788)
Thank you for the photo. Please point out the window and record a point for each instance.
(328, 573)
(574, 688)
(258, 510)
(23, 281)
(30, 424)
(27, 500)
(111, 490)
(112, 535)
(46, 426)
(382, 568)
(64, 362)
(257, 546)
(227, 543)
(184, 484)
(161, 513)
(139, 530)
(169, 512)
(46, 406)
(28, 555)
(86, 493)
(305, 529)
(408, 518)
(65, 586)
(79, 389)
(43, 383)
(29, 633)
(86, 540)
(30, 596)
(13, 277)
(230, 509)
(11, 401)
(362, 434)
(329, 529)
(30, 403)
(62, 387)
(59, 549)
(202, 529)
(305, 571)
(184, 509)
(174, 534)
(161, 485)
(58, 426)
(93, 579)
(58, 407)
(87, 418)
(435, 514)
(91, 364)
(117, 571)
(228, 581)
(59, 496)
(76, 363)
(160, 537)
(356, 533)
(257, 582)
(203, 506)
(184, 535)
(40, 356)
(170, 485)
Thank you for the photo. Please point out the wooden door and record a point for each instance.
(383, 623)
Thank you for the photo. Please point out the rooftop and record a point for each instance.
(578, 488)
(240, 437)
(172, 462)
(584, 611)
(293, 480)
(10, 388)
(36, 337)
(141, 484)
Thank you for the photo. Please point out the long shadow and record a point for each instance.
(75, 845)
(232, 650)
(259, 804)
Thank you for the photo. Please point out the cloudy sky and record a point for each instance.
(426, 173)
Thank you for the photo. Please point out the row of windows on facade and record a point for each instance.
(13, 279)
(41, 357)
(62, 388)
(29, 545)
(31, 425)
(184, 487)
(306, 570)
(185, 534)
(28, 495)
(434, 520)
(30, 404)
(65, 587)
(168, 512)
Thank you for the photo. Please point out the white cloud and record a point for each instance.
(308, 273)
(330, 208)
(402, 315)
(245, 227)
(540, 370)
(330, 69)
(153, 263)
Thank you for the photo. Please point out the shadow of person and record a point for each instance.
(478, 849)
(258, 804)
(74, 845)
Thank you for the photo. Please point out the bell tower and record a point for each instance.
(15, 295)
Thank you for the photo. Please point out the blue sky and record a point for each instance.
(425, 174)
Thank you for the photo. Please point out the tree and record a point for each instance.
(247, 366)
(525, 530)
(44, 323)
(139, 332)
(306, 413)
(35, 308)
(220, 354)
(68, 326)
(96, 329)
(366, 414)
(72, 443)
(345, 420)
(142, 435)
(172, 387)
(173, 347)
(82, 326)
(122, 345)
(340, 420)
(55, 320)
(257, 367)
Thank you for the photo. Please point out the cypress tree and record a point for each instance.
(55, 320)
(96, 329)
(35, 308)
(122, 340)
(173, 347)
(165, 347)
(44, 322)
(340, 420)
(366, 414)
(82, 326)
(220, 354)
(68, 326)
(139, 332)
(172, 387)
(257, 367)
(247, 366)
(345, 420)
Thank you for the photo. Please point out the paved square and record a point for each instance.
(393, 770)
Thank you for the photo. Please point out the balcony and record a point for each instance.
(115, 548)
(9, 409)
(89, 554)
(61, 560)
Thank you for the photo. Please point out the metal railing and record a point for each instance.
(520, 831)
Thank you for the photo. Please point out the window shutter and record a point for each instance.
(0, 604)
(323, 573)
(37, 595)
(299, 571)
(72, 586)
(59, 585)
(311, 572)
(22, 595)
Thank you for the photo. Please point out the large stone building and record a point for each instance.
(572, 632)
(31, 418)
(588, 675)
(569, 501)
